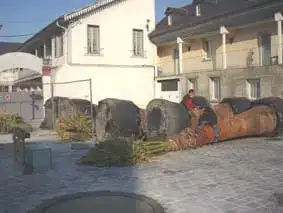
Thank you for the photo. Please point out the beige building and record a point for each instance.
(221, 48)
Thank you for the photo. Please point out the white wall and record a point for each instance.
(135, 84)
(115, 73)
(116, 25)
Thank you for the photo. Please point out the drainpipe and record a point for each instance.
(155, 71)
(65, 41)
(224, 31)
(180, 47)
(278, 18)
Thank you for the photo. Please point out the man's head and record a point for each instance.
(191, 93)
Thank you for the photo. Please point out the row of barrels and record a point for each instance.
(162, 120)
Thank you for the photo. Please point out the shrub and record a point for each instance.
(8, 121)
(75, 127)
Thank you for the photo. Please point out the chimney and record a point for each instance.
(169, 19)
(198, 10)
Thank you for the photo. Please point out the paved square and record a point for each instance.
(241, 176)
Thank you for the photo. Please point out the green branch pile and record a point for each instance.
(76, 127)
(124, 153)
(9, 121)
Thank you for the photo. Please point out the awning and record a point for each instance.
(22, 60)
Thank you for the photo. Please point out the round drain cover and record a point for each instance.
(100, 202)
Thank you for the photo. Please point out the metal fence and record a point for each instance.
(38, 102)
(22, 96)
(29, 105)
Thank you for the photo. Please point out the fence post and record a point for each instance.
(33, 104)
(52, 104)
(91, 108)
(21, 108)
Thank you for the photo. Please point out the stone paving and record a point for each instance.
(241, 176)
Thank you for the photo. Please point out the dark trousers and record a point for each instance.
(215, 129)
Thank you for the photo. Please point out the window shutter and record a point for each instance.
(140, 42)
(135, 42)
(138, 46)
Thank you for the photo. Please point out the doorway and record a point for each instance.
(265, 49)
(176, 59)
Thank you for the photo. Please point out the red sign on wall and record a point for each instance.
(46, 70)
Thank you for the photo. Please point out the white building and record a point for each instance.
(106, 42)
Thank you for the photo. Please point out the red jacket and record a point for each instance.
(189, 104)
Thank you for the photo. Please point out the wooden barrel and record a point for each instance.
(257, 121)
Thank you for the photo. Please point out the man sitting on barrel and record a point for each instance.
(188, 100)
(191, 108)
(200, 112)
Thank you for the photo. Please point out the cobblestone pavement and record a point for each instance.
(242, 176)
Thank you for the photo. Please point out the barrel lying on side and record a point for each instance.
(277, 104)
(64, 107)
(164, 119)
(223, 111)
(257, 121)
(237, 104)
(117, 118)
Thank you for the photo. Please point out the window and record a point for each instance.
(32, 52)
(40, 51)
(207, 48)
(169, 85)
(138, 48)
(59, 46)
(215, 88)
(14, 89)
(93, 39)
(48, 48)
(265, 49)
(198, 12)
(192, 84)
(4, 89)
(253, 88)
(169, 18)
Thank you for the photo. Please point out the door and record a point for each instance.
(169, 90)
(265, 49)
(176, 60)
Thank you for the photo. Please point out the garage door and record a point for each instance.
(169, 90)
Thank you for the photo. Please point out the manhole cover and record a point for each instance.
(100, 202)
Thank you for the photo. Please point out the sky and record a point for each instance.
(21, 17)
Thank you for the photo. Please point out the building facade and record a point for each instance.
(221, 48)
(107, 42)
